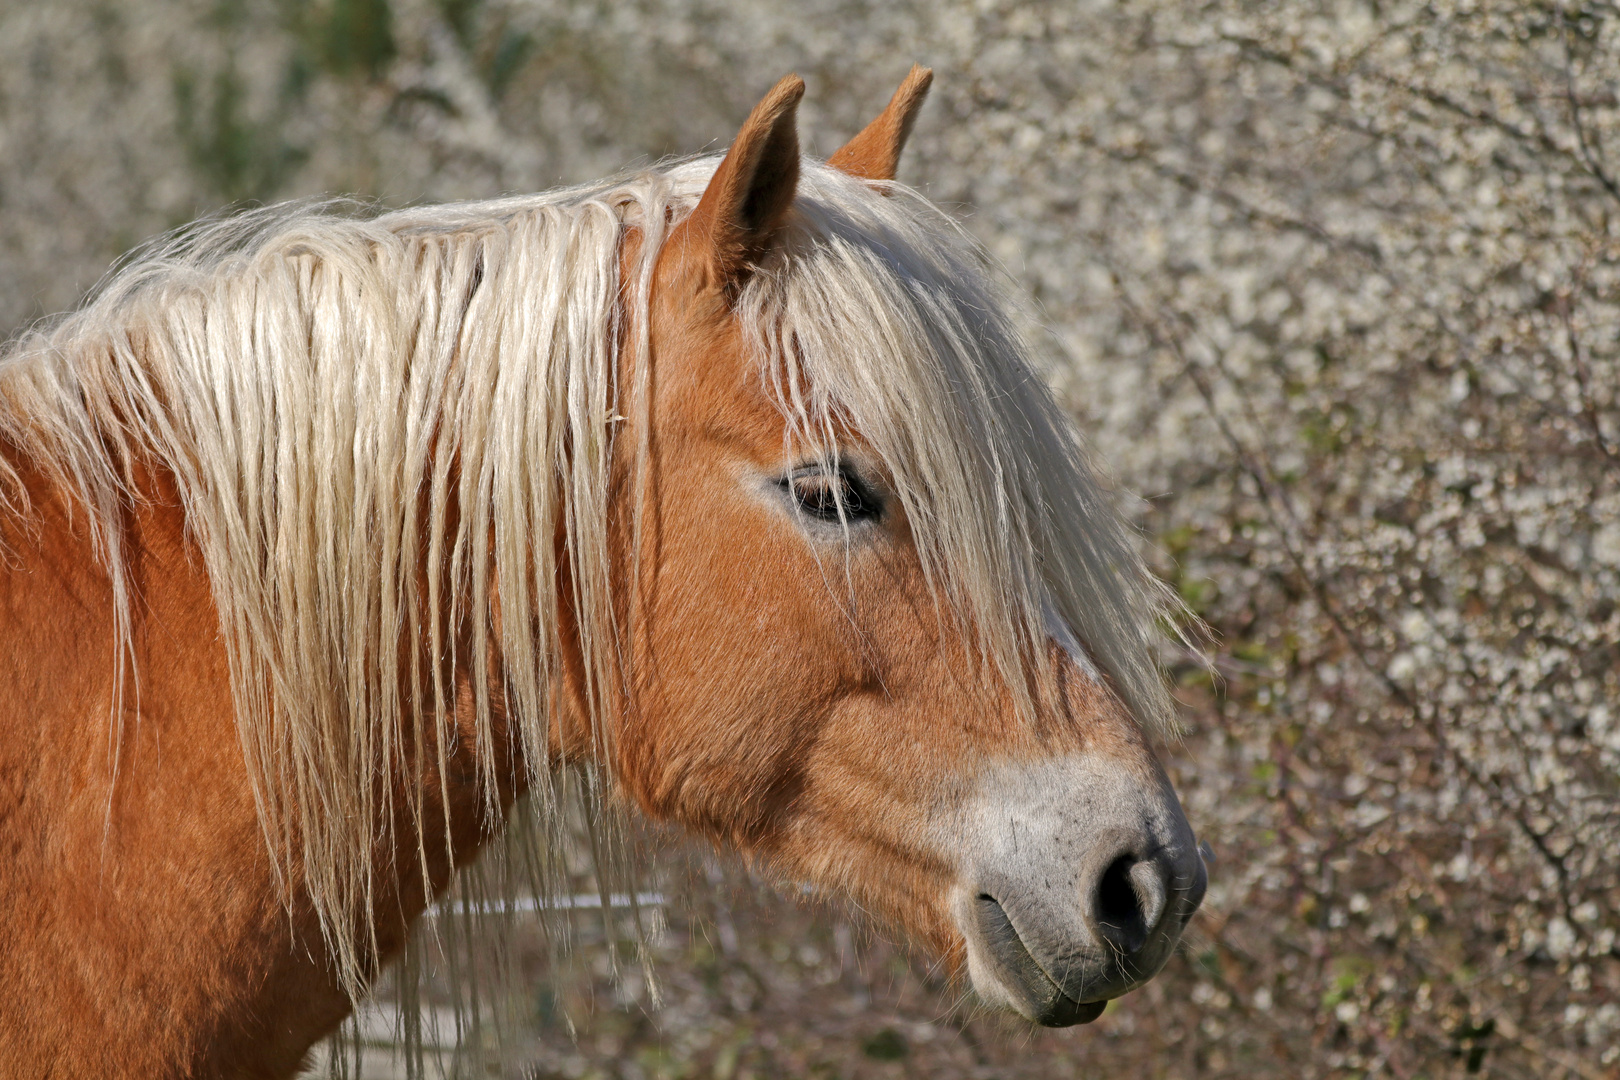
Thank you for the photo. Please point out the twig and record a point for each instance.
(1276, 506)
(1583, 379)
(1198, 186)
(1590, 152)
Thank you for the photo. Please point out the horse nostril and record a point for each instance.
(1148, 878)
(1128, 902)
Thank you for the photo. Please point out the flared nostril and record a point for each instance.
(1147, 878)
(1129, 902)
(1117, 911)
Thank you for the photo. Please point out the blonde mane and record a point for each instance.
(377, 424)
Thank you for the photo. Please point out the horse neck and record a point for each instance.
(123, 795)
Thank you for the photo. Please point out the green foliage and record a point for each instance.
(657, 1063)
(497, 50)
(1348, 974)
(1198, 593)
(1253, 652)
(1326, 431)
(512, 50)
(1473, 1042)
(238, 157)
(347, 37)
(886, 1045)
(461, 16)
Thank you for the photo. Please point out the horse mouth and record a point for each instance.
(1041, 999)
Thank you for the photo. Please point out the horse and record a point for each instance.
(331, 538)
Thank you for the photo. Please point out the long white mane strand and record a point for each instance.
(881, 315)
(378, 426)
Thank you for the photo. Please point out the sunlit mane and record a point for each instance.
(879, 313)
(379, 424)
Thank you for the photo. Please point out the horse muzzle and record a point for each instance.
(1079, 886)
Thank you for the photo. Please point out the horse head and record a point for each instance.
(886, 636)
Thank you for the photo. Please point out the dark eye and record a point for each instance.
(832, 496)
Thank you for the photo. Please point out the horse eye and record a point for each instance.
(821, 495)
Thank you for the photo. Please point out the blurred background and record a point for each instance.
(1331, 284)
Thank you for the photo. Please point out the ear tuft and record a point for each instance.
(874, 154)
(747, 200)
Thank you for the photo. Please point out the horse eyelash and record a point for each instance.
(852, 500)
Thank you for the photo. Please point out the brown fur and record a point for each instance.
(874, 154)
(142, 932)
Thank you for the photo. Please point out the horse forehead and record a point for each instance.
(708, 376)
(708, 389)
(708, 384)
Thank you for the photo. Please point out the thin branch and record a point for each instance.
(1583, 381)
(1199, 186)
(1590, 152)
(1587, 155)
(1277, 506)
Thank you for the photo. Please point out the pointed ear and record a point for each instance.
(874, 154)
(747, 201)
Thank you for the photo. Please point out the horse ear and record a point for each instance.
(874, 154)
(748, 198)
